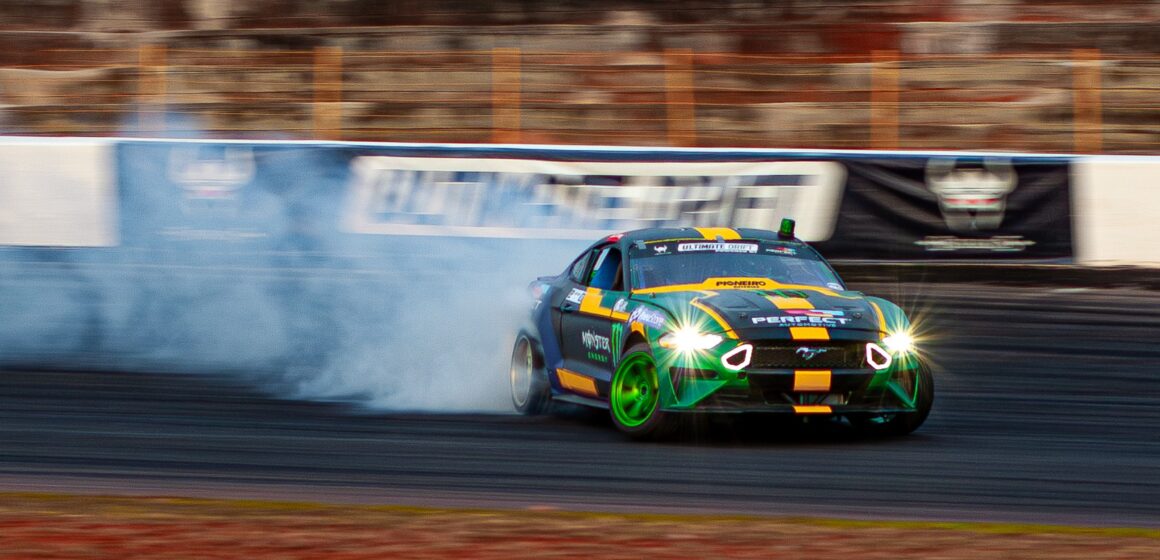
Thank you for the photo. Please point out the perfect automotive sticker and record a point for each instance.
(808, 317)
(575, 296)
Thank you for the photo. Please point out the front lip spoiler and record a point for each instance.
(785, 409)
(836, 371)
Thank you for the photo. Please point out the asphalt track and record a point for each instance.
(1048, 410)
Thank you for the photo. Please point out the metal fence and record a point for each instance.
(1074, 101)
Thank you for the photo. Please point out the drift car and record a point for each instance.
(658, 322)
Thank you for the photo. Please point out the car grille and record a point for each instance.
(781, 354)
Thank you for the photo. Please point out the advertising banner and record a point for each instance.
(365, 204)
(953, 208)
(207, 198)
(528, 198)
(363, 199)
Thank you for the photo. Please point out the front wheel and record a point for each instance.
(901, 423)
(634, 397)
(531, 394)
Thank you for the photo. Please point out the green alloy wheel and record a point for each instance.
(530, 391)
(634, 399)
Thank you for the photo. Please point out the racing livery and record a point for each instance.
(656, 322)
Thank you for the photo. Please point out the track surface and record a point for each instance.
(1048, 410)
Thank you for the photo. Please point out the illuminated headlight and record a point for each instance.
(688, 339)
(899, 343)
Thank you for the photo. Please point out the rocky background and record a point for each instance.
(970, 74)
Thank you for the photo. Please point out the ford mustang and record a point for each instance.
(656, 323)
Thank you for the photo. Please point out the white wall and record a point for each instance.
(1116, 211)
(57, 193)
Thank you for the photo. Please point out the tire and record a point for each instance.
(531, 394)
(634, 396)
(901, 424)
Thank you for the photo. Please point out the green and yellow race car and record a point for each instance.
(655, 323)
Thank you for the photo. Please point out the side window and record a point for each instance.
(578, 268)
(601, 256)
(606, 272)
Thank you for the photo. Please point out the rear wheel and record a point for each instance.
(530, 392)
(634, 397)
(902, 423)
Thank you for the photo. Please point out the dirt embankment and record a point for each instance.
(52, 526)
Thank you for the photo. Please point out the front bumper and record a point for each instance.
(701, 384)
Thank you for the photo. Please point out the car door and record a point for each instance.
(587, 315)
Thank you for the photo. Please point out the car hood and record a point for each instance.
(770, 314)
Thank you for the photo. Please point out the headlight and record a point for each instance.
(899, 343)
(894, 344)
(689, 339)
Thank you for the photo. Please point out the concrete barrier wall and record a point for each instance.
(230, 197)
(58, 193)
(1117, 211)
(327, 264)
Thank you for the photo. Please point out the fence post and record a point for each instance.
(1087, 126)
(327, 107)
(505, 95)
(884, 88)
(151, 87)
(680, 108)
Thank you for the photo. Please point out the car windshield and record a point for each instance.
(671, 263)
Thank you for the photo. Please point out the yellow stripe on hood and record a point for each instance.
(790, 303)
(711, 233)
(881, 317)
(716, 317)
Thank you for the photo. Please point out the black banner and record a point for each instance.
(965, 208)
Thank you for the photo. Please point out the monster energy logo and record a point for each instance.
(617, 331)
(593, 341)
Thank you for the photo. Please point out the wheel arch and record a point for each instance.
(631, 340)
(537, 346)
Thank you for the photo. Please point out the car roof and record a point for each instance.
(701, 234)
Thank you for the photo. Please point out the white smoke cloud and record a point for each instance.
(315, 315)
